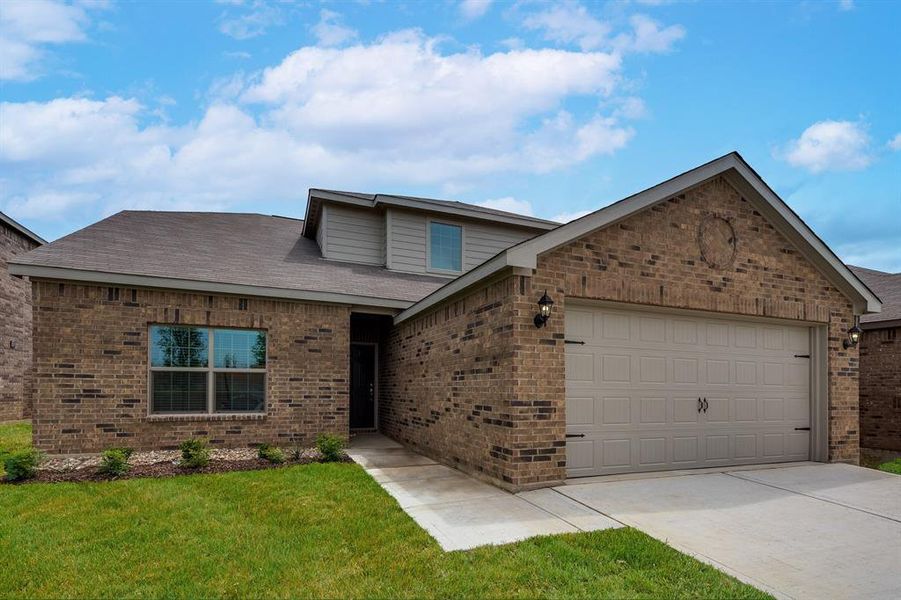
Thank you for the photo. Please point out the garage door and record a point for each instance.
(655, 391)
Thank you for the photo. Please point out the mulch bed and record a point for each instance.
(165, 469)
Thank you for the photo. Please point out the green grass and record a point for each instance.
(321, 530)
(14, 435)
(892, 466)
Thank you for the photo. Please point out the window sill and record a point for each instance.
(209, 417)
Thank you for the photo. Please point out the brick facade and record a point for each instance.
(15, 328)
(501, 411)
(447, 383)
(880, 389)
(91, 368)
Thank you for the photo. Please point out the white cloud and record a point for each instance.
(252, 22)
(509, 204)
(845, 5)
(404, 98)
(830, 146)
(570, 23)
(28, 26)
(630, 107)
(513, 43)
(881, 254)
(524, 207)
(473, 9)
(330, 31)
(647, 36)
(566, 217)
(51, 206)
(395, 112)
(895, 142)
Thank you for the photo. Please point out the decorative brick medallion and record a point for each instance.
(716, 239)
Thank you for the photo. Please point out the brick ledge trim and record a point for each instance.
(208, 417)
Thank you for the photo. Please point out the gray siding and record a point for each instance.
(406, 246)
(408, 237)
(482, 241)
(354, 235)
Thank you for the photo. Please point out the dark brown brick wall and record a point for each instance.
(880, 389)
(91, 371)
(447, 382)
(651, 258)
(15, 328)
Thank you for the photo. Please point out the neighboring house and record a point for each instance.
(15, 321)
(880, 365)
(697, 323)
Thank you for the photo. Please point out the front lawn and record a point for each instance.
(892, 466)
(320, 530)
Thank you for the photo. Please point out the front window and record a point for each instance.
(201, 370)
(445, 247)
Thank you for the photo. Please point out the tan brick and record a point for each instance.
(435, 388)
(15, 328)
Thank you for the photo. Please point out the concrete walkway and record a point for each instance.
(808, 531)
(461, 512)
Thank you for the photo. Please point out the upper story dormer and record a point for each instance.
(413, 235)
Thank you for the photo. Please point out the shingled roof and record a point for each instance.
(888, 287)
(218, 252)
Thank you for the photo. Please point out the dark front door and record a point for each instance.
(362, 386)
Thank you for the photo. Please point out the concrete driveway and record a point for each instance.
(808, 531)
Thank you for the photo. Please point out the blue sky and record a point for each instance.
(552, 109)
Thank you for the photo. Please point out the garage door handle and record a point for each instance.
(802, 428)
(706, 405)
(700, 405)
(569, 435)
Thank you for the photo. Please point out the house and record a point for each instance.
(15, 324)
(697, 323)
(880, 366)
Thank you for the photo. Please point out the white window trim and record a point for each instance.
(428, 246)
(210, 370)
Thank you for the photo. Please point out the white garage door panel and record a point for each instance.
(633, 387)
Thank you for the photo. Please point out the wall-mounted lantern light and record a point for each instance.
(544, 310)
(853, 334)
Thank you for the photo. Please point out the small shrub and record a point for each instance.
(124, 450)
(271, 453)
(194, 453)
(22, 464)
(114, 462)
(331, 447)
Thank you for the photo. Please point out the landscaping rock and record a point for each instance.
(165, 463)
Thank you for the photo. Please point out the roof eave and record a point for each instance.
(511, 219)
(23, 230)
(193, 285)
(886, 324)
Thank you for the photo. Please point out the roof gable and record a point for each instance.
(316, 197)
(24, 231)
(737, 172)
